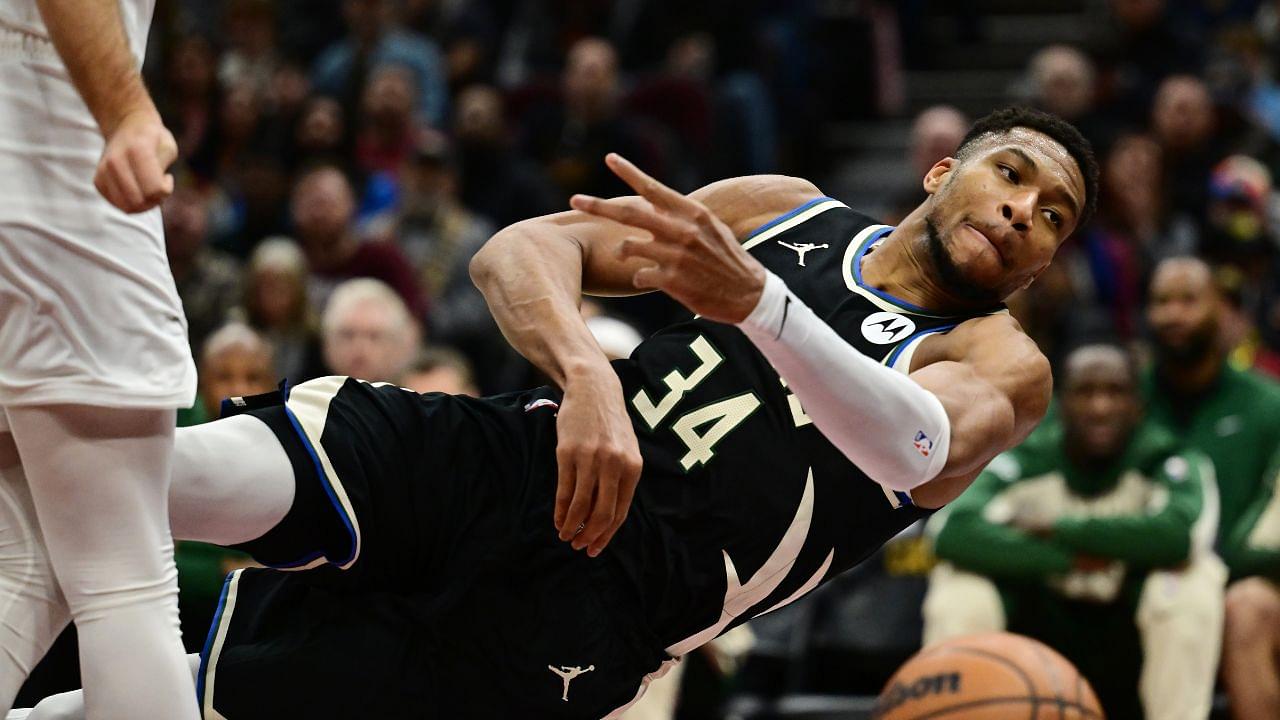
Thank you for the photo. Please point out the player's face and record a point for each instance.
(997, 217)
(1183, 311)
(1100, 405)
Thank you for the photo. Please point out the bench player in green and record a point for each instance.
(1096, 536)
(1233, 416)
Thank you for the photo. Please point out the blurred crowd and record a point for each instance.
(342, 160)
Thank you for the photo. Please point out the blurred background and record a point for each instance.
(341, 161)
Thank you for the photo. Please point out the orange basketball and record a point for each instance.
(994, 676)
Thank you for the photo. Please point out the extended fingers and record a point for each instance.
(631, 211)
(647, 186)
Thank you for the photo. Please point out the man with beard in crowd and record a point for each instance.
(1231, 416)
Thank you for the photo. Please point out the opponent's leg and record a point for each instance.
(232, 481)
(960, 603)
(1180, 620)
(99, 479)
(32, 610)
(70, 705)
(1251, 648)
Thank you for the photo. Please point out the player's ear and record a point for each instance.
(938, 174)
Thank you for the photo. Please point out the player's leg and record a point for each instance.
(1179, 618)
(1251, 649)
(99, 480)
(960, 603)
(32, 610)
(232, 481)
(70, 705)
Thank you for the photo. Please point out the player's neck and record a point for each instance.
(901, 266)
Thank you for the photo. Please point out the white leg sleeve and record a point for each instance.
(1180, 619)
(32, 609)
(879, 418)
(70, 705)
(960, 603)
(232, 482)
(99, 479)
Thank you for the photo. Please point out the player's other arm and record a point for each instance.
(533, 274)
(91, 40)
(995, 386)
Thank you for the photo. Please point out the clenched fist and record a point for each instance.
(132, 172)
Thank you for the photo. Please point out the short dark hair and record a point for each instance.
(1064, 133)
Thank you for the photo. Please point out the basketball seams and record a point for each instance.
(1086, 713)
(1051, 669)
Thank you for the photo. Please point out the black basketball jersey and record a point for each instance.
(744, 505)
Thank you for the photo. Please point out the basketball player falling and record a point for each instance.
(732, 464)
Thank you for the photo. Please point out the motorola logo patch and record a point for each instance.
(886, 328)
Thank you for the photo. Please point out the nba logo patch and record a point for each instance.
(923, 443)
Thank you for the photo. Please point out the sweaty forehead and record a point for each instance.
(1049, 155)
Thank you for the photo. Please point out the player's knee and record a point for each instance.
(66, 706)
(1252, 611)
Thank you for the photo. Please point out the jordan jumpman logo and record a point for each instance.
(567, 674)
(803, 248)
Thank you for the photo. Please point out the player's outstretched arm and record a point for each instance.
(945, 421)
(533, 275)
(90, 38)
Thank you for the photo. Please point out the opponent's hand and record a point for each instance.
(598, 458)
(694, 256)
(131, 174)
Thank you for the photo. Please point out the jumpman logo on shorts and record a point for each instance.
(567, 674)
(803, 248)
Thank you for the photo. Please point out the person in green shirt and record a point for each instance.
(1233, 416)
(1094, 536)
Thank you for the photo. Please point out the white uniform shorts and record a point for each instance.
(88, 309)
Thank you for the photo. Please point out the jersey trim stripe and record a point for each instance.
(790, 219)
(308, 407)
(907, 347)
(213, 647)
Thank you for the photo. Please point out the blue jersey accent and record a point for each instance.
(208, 640)
(786, 216)
(328, 490)
(893, 356)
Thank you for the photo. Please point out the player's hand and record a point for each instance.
(694, 256)
(131, 174)
(598, 458)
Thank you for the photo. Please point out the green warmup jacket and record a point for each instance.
(1155, 506)
(1253, 545)
(1237, 424)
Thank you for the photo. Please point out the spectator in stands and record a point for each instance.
(320, 134)
(440, 369)
(495, 179)
(275, 305)
(368, 332)
(1095, 536)
(190, 95)
(323, 208)
(1141, 49)
(249, 28)
(1063, 81)
(571, 137)
(1228, 414)
(208, 281)
(1183, 122)
(375, 40)
(387, 129)
(236, 361)
(935, 134)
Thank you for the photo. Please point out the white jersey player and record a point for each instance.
(93, 358)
